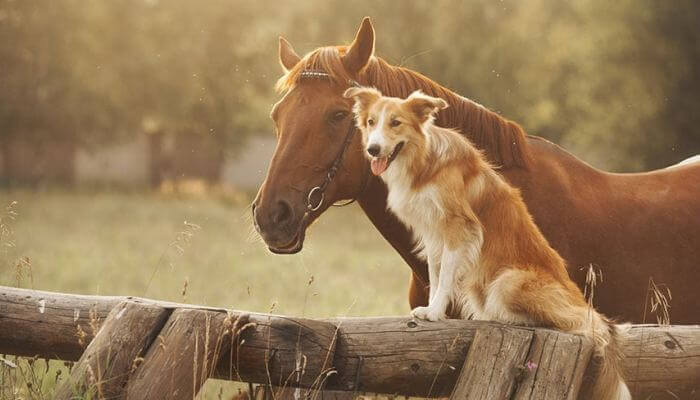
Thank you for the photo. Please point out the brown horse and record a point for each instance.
(632, 227)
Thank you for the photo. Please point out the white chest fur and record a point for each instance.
(421, 209)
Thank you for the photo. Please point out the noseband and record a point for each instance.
(319, 192)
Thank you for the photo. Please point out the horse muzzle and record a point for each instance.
(280, 228)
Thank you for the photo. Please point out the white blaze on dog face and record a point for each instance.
(375, 136)
(388, 123)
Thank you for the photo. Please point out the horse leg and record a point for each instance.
(417, 292)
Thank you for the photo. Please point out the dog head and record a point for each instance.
(390, 124)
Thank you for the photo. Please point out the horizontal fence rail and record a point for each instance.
(185, 344)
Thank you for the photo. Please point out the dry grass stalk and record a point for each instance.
(230, 330)
(593, 274)
(184, 289)
(659, 301)
(6, 220)
(236, 337)
(22, 265)
(23, 269)
(175, 250)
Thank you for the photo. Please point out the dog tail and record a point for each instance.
(609, 381)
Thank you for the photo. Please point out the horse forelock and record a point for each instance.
(326, 59)
(503, 141)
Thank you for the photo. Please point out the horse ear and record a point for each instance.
(424, 106)
(288, 57)
(364, 96)
(361, 48)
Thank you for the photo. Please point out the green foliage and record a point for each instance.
(616, 83)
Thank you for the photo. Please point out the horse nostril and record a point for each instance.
(252, 211)
(283, 212)
(373, 150)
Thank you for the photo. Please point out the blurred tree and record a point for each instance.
(41, 104)
(676, 29)
(616, 83)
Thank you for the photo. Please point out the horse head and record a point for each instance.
(318, 159)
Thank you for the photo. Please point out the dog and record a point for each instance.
(486, 257)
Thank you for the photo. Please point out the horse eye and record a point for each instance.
(339, 116)
(394, 123)
(370, 122)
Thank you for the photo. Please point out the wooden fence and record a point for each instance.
(136, 348)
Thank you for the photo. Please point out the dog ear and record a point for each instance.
(288, 57)
(364, 96)
(424, 106)
(361, 49)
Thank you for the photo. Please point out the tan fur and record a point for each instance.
(485, 254)
(503, 141)
(588, 216)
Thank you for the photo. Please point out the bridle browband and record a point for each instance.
(320, 190)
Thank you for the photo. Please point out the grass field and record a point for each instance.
(198, 250)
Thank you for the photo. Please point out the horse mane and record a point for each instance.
(503, 141)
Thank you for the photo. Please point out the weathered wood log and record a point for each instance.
(105, 365)
(400, 355)
(493, 367)
(394, 355)
(60, 325)
(184, 355)
(663, 363)
(266, 392)
(548, 372)
(282, 351)
(273, 347)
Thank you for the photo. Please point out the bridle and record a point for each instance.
(319, 191)
(316, 196)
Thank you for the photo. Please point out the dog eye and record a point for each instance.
(394, 123)
(370, 122)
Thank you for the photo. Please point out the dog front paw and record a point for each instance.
(428, 313)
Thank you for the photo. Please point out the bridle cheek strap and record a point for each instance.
(317, 194)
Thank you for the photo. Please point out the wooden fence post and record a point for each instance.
(107, 361)
(393, 355)
(184, 354)
(519, 364)
(555, 366)
(493, 365)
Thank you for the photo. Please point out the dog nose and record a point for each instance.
(373, 150)
(282, 213)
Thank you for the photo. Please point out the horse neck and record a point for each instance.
(502, 140)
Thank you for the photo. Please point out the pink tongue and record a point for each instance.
(379, 165)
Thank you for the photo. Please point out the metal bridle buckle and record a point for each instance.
(333, 170)
(309, 204)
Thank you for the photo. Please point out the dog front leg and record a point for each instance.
(445, 282)
(433, 274)
(462, 253)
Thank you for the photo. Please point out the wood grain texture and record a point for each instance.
(266, 392)
(555, 367)
(400, 355)
(494, 364)
(282, 351)
(393, 355)
(663, 362)
(53, 319)
(183, 355)
(105, 366)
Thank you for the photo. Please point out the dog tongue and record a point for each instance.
(379, 165)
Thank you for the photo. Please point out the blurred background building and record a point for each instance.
(137, 92)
